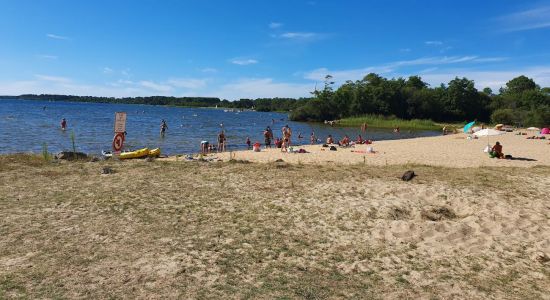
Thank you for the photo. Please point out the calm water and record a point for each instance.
(26, 125)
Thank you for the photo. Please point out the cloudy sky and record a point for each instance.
(257, 48)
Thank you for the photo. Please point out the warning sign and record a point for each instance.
(120, 122)
(118, 142)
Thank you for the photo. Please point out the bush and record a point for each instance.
(504, 116)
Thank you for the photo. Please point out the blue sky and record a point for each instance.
(250, 49)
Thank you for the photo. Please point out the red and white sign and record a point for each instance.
(120, 122)
(118, 142)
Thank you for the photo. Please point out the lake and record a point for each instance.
(26, 125)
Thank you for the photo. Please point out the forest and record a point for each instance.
(521, 102)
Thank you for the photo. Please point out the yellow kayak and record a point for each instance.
(154, 153)
(134, 154)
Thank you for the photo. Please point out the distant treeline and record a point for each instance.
(262, 104)
(520, 102)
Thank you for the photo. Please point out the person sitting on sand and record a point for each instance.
(344, 142)
(204, 147)
(497, 151)
(359, 140)
(330, 140)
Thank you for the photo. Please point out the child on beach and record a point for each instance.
(248, 142)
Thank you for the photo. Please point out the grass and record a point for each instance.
(378, 121)
(246, 230)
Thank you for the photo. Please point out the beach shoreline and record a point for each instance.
(453, 150)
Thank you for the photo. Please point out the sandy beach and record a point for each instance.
(447, 151)
(233, 230)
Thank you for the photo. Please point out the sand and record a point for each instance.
(234, 230)
(446, 151)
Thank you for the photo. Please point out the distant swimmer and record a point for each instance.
(63, 124)
(163, 127)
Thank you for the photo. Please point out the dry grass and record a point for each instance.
(245, 230)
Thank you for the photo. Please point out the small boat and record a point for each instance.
(134, 154)
(154, 153)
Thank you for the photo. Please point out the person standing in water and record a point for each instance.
(221, 141)
(63, 124)
(312, 138)
(163, 127)
(248, 142)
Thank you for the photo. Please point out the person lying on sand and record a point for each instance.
(497, 151)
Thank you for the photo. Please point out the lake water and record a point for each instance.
(25, 125)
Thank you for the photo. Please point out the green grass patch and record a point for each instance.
(378, 121)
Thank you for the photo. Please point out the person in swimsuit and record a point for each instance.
(221, 141)
(63, 124)
(248, 142)
(267, 137)
(163, 127)
(312, 138)
(497, 151)
(330, 140)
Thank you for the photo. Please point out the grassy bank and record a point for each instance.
(242, 231)
(376, 121)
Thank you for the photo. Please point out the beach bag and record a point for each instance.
(408, 176)
(333, 148)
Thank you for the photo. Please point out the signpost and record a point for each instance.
(120, 132)
(120, 122)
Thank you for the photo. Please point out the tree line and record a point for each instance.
(260, 104)
(520, 102)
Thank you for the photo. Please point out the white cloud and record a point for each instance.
(357, 74)
(188, 83)
(300, 35)
(243, 62)
(275, 25)
(433, 43)
(262, 88)
(52, 78)
(56, 37)
(536, 18)
(47, 56)
(489, 78)
(158, 87)
(107, 70)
